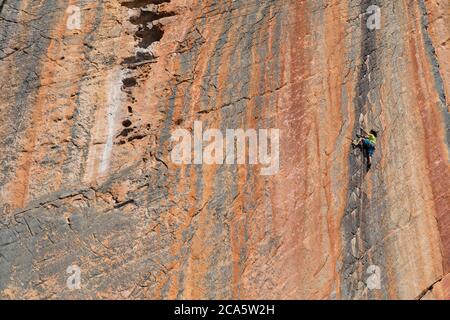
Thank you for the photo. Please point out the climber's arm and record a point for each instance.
(364, 131)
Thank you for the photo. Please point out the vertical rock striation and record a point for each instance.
(87, 113)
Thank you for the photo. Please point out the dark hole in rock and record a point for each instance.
(149, 36)
(136, 137)
(125, 132)
(126, 123)
(129, 82)
(141, 3)
(130, 109)
(178, 122)
(148, 16)
(140, 58)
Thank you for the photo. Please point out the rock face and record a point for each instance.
(92, 91)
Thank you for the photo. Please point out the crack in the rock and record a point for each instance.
(2, 5)
(429, 288)
(357, 199)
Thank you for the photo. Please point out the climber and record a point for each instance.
(367, 141)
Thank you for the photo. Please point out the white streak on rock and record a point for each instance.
(114, 95)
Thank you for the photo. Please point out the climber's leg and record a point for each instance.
(369, 149)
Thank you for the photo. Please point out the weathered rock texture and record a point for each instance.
(86, 117)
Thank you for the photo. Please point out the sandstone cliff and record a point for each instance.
(86, 115)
